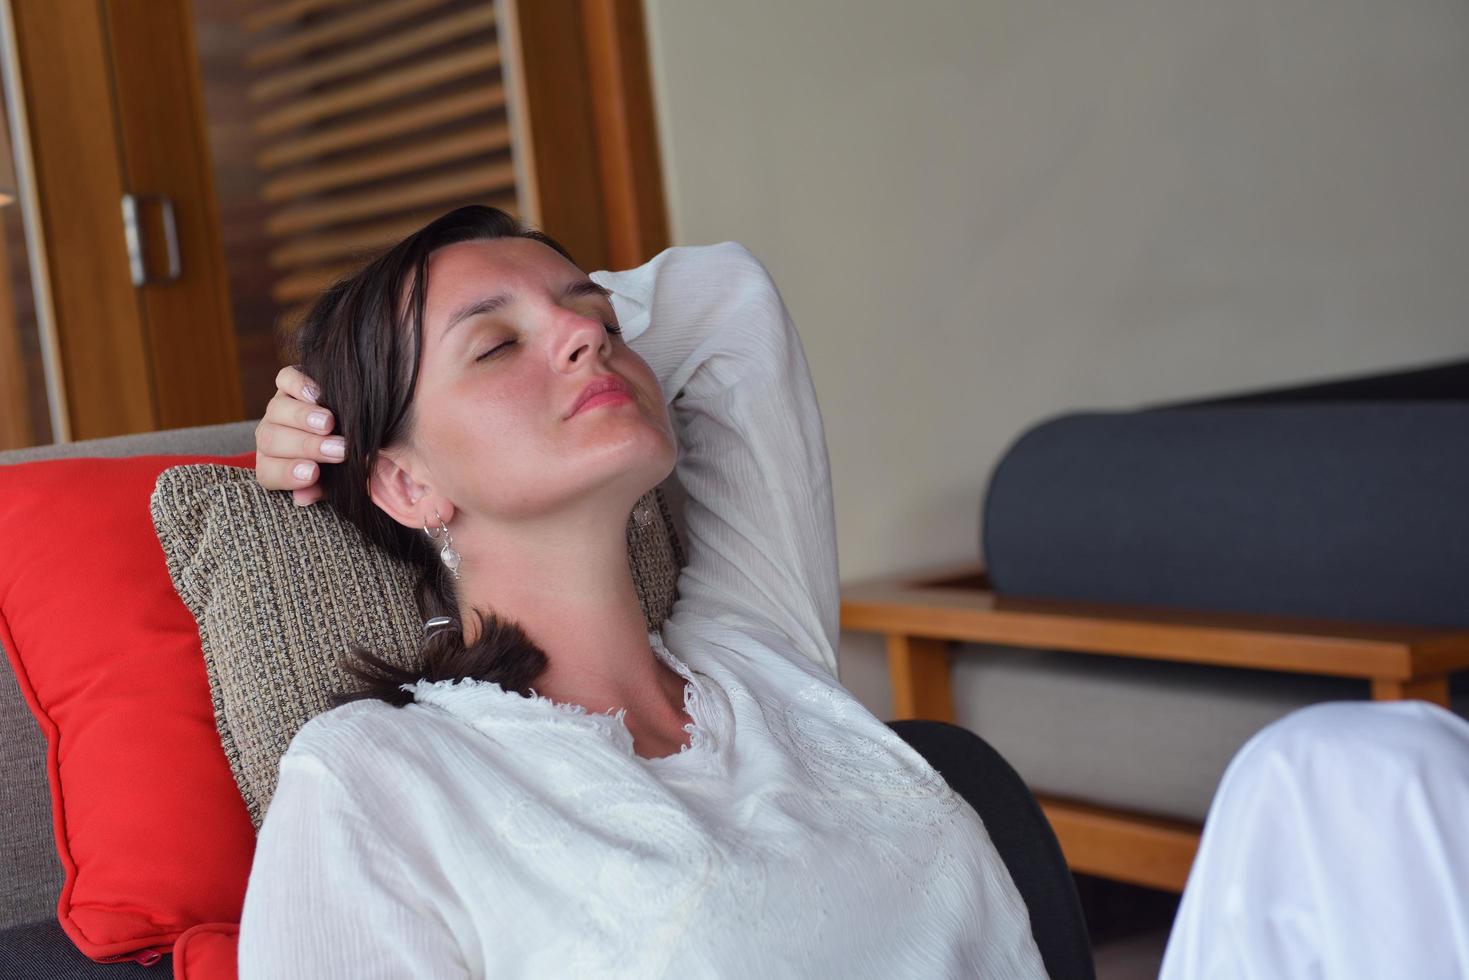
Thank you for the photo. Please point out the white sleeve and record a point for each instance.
(329, 896)
(752, 453)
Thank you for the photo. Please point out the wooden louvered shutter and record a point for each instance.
(375, 116)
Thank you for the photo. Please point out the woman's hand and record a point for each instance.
(293, 436)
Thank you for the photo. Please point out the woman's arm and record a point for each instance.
(752, 454)
(330, 896)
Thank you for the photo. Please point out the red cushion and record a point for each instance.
(150, 827)
(208, 951)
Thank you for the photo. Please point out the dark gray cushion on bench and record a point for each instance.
(1343, 510)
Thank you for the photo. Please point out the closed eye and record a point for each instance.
(492, 350)
(610, 327)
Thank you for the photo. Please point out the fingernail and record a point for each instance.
(310, 393)
(335, 447)
(317, 420)
(302, 471)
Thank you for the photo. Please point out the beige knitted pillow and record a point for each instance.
(279, 591)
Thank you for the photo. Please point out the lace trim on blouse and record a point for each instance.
(475, 700)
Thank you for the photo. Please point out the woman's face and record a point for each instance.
(512, 333)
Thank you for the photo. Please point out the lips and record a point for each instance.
(598, 385)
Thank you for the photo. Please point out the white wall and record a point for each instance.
(985, 213)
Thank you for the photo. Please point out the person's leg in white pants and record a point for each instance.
(1337, 846)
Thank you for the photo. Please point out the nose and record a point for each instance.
(583, 333)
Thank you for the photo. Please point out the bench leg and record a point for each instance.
(918, 668)
(1432, 689)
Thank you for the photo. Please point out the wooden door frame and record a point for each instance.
(15, 408)
(581, 96)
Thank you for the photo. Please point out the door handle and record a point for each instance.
(137, 260)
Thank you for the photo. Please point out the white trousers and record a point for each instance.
(1337, 846)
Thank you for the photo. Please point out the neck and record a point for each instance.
(570, 589)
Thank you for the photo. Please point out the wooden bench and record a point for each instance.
(922, 612)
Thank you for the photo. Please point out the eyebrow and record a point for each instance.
(489, 304)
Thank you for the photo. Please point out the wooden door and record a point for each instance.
(119, 158)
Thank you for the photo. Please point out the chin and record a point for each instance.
(651, 467)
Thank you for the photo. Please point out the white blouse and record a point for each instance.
(480, 833)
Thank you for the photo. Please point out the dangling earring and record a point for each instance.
(447, 554)
(642, 515)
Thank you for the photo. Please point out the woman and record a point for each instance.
(740, 812)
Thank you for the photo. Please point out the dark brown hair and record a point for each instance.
(364, 359)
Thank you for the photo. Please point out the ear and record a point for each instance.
(401, 496)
